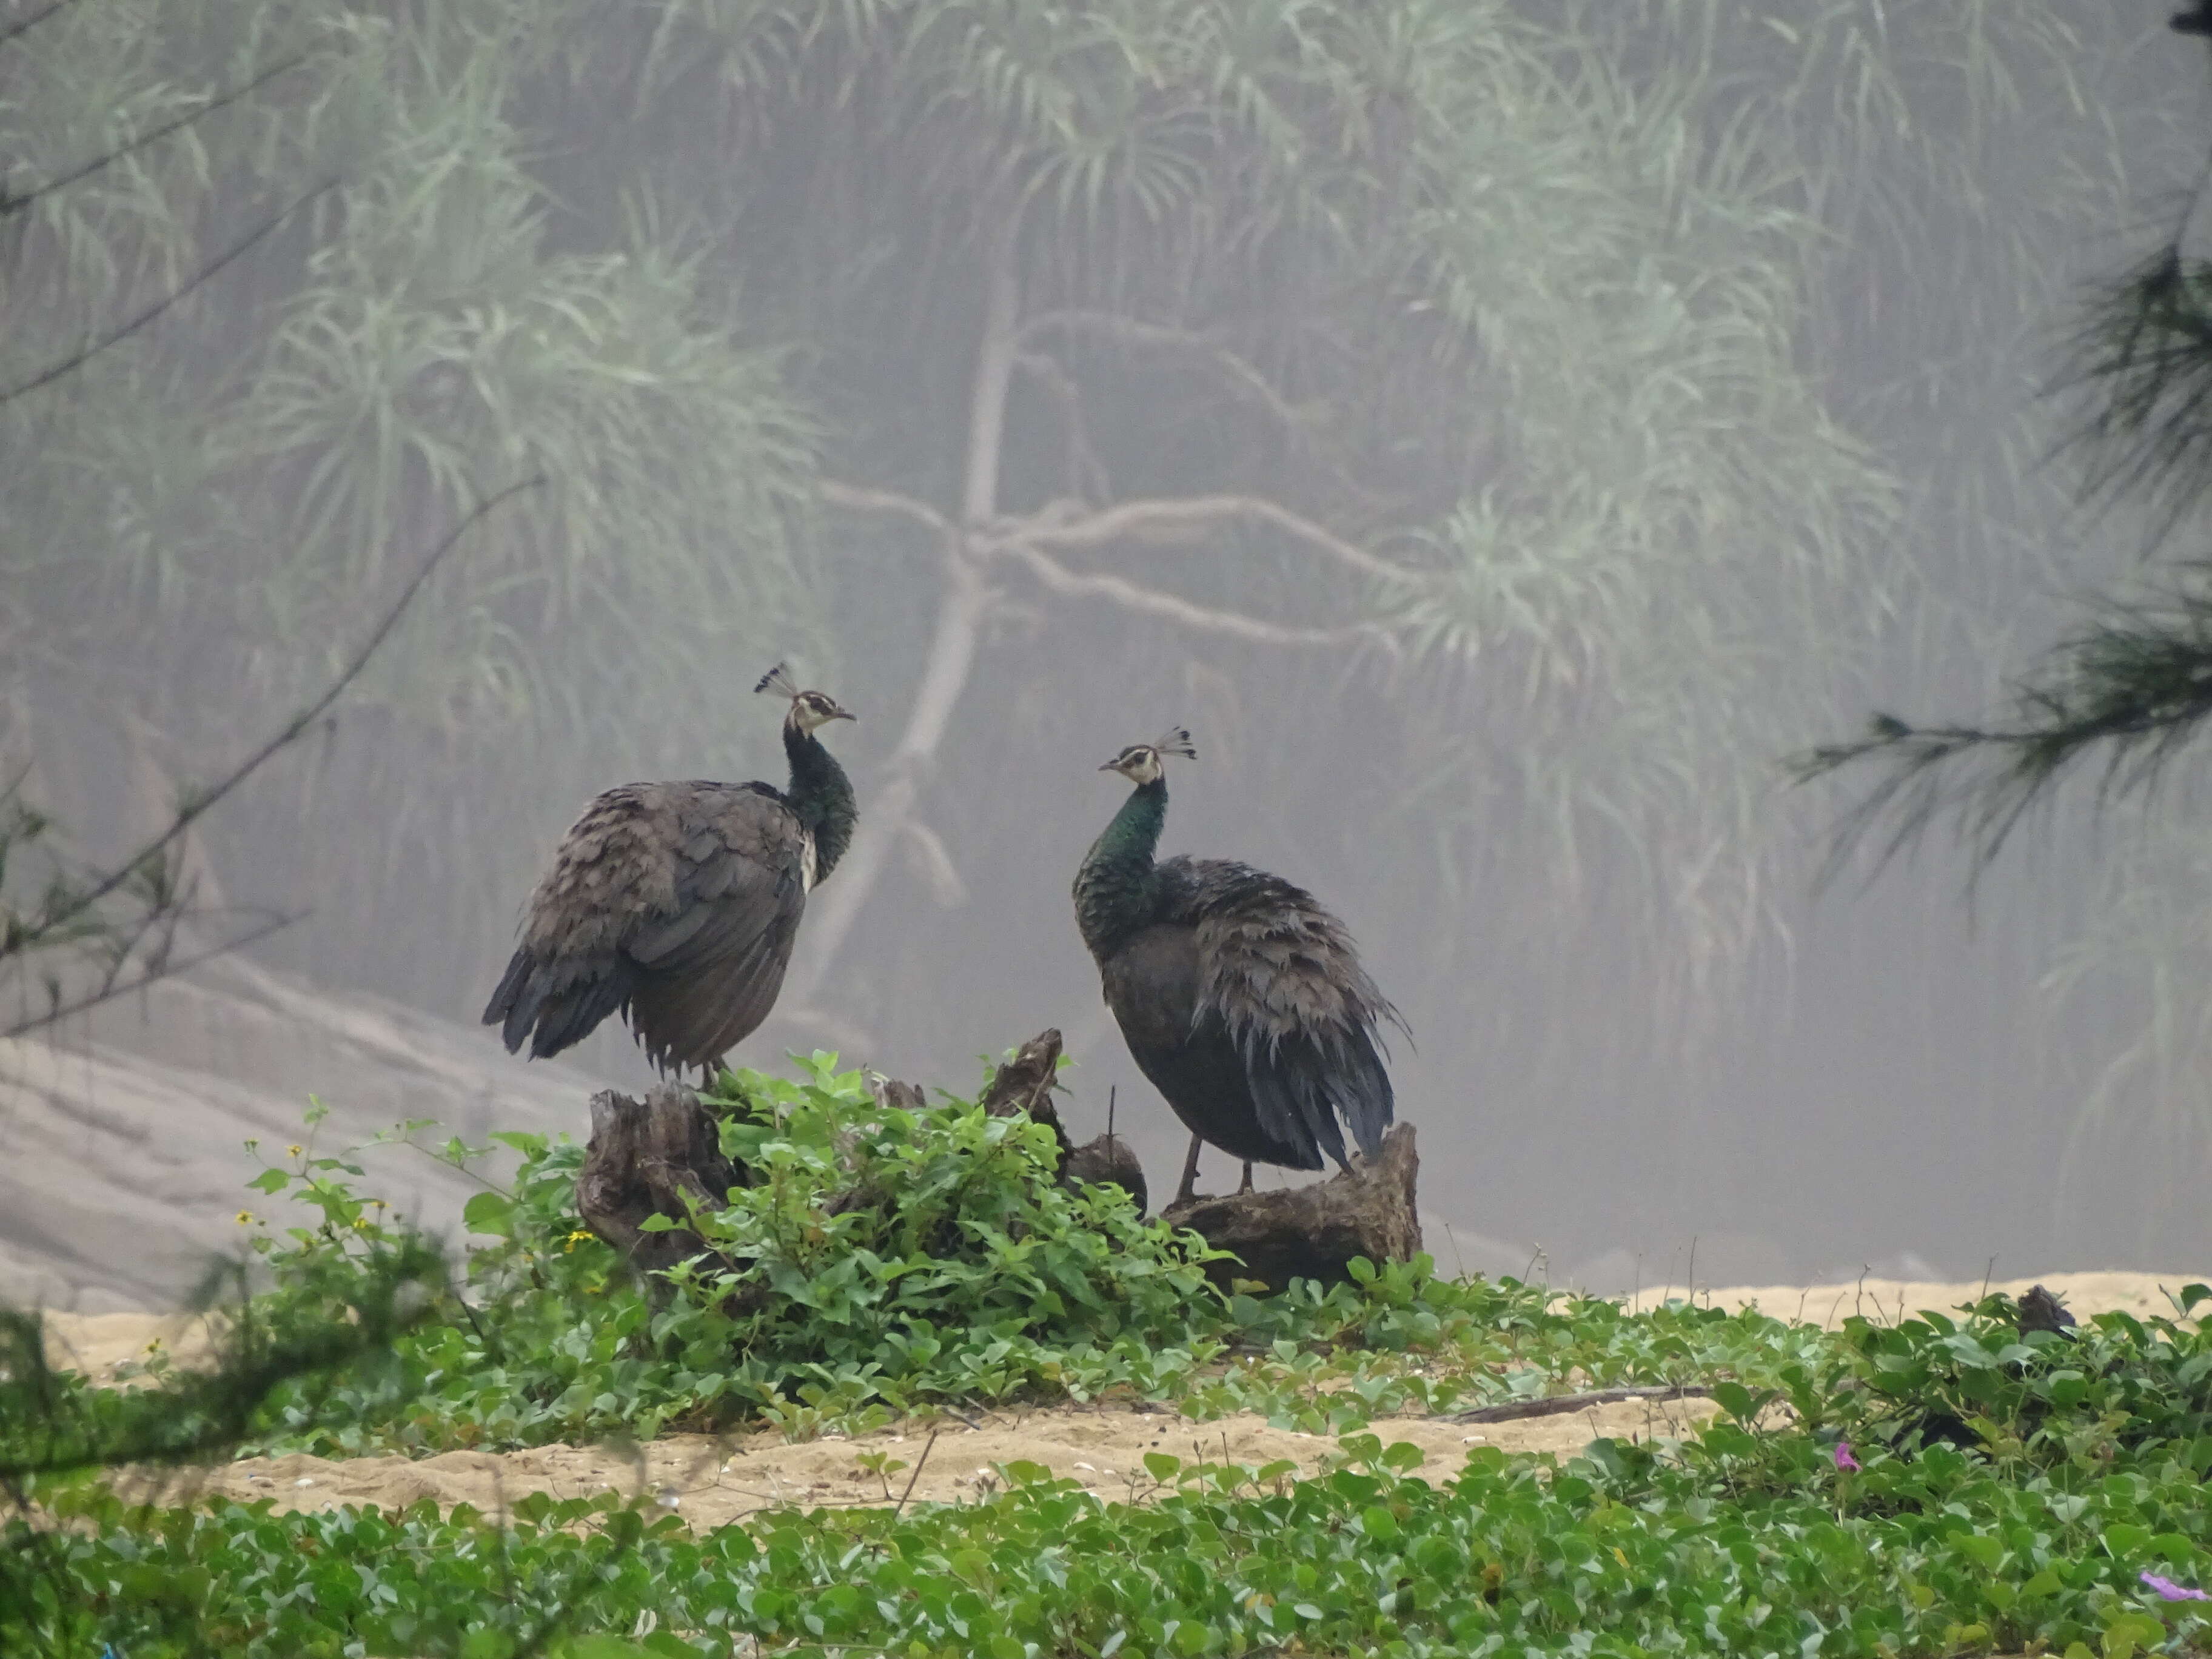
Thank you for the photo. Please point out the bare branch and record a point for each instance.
(149, 974)
(858, 498)
(148, 315)
(1169, 520)
(1151, 602)
(192, 811)
(1242, 377)
(1085, 474)
(1560, 1404)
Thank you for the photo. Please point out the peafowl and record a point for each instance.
(1239, 996)
(677, 904)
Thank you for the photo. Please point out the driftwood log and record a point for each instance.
(660, 1154)
(1313, 1232)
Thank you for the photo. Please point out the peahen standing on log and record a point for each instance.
(1239, 996)
(677, 904)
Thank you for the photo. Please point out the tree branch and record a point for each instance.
(1151, 602)
(1173, 520)
(193, 810)
(152, 972)
(154, 310)
(1238, 372)
(858, 498)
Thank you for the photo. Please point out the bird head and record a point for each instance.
(1140, 762)
(809, 709)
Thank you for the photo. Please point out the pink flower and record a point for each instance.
(1844, 1460)
(2169, 1591)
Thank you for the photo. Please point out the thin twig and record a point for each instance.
(193, 811)
(55, 1015)
(17, 203)
(898, 1508)
(95, 348)
(32, 21)
(1560, 1404)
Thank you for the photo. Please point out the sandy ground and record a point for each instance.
(709, 1481)
(1882, 1299)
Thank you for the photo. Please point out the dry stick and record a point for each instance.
(56, 1014)
(901, 1505)
(191, 812)
(77, 359)
(32, 21)
(17, 203)
(1558, 1404)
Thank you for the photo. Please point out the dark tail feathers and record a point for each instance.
(1302, 1087)
(564, 1001)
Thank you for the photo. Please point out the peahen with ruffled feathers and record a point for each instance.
(676, 904)
(1240, 997)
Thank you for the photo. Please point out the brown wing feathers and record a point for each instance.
(1282, 975)
(675, 903)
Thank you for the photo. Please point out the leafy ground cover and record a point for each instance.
(1942, 1485)
(1740, 1540)
(973, 1279)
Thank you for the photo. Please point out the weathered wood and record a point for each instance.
(1025, 1082)
(1558, 1404)
(1107, 1162)
(645, 1158)
(1313, 1232)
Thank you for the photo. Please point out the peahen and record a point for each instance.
(677, 904)
(1239, 996)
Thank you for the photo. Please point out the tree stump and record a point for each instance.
(1107, 1162)
(645, 1158)
(1313, 1232)
(662, 1154)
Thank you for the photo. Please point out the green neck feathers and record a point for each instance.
(822, 796)
(1113, 889)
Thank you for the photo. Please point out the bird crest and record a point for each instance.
(1174, 741)
(778, 679)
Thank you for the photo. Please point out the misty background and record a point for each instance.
(1501, 433)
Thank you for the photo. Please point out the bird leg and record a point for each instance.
(1189, 1173)
(1247, 1187)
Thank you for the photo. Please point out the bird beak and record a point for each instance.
(844, 714)
(1108, 767)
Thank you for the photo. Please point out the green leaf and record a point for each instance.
(488, 1213)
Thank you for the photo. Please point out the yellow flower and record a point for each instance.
(574, 1239)
(295, 1151)
(363, 1223)
(245, 1217)
(155, 1347)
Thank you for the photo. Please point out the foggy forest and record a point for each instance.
(1505, 433)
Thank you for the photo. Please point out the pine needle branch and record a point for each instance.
(2138, 681)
